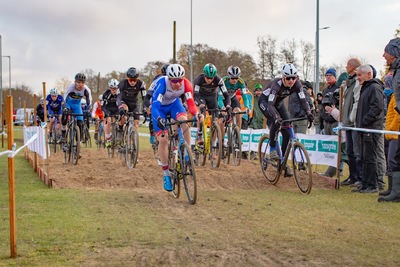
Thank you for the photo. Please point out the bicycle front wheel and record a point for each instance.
(216, 145)
(189, 173)
(132, 148)
(236, 146)
(54, 138)
(226, 149)
(88, 139)
(67, 147)
(175, 167)
(199, 148)
(302, 168)
(269, 168)
(75, 145)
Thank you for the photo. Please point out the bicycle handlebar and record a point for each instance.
(298, 119)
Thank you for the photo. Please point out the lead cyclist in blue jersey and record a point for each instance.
(73, 95)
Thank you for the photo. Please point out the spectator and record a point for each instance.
(369, 115)
(319, 126)
(258, 117)
(40, 111)
(352, 143)
(392, 57)
(328, 121)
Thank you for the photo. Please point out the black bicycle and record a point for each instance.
(71, 147)
(234, 143)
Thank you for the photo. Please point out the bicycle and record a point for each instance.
(180, 161)
(234, 142)
(299, 157)
(55, 133)
(71, 147)
(111, 149)
(130, 140)
(100, 141)
(209, 141)
(87, 140)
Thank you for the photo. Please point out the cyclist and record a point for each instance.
(40, 111)
(98, 116)
(55, 103)
(165, 101)
(147, 100)
(127, 99)
(73, 95)
(110, 107)
(233, 82)
(206, 88)
(272, 106)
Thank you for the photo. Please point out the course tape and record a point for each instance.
(341, 127)
(13, 152)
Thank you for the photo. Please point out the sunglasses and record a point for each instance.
(176, 80)
(209, 78)
(111, 88)
(132, 80)
(233, 78)
(290, 78)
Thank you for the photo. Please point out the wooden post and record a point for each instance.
(35, 157)
(46, 161)
(11, 180)
(340, 133)
(2, 124)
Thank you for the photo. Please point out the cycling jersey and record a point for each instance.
(54, 107)
(275, 92)
(166, 100)
(150, 90)
(203, 90)
(109, 106)
(97, 112)
(73, 99)
(129, 94)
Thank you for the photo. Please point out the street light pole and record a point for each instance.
(191, 41)
(1, 80)
(316, 89)
(9, 73)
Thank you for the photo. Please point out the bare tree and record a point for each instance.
(288, 52)
(268, 62)
(307, 50)
(62, 84)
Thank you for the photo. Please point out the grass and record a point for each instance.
(79, 227)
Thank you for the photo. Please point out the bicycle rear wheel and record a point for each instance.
(132, 148)
(216, 145)
(199, 149)
(67, 147)
(302, 168)
(86, 135)
(189, 173)
(75, 145)
(236, 146)
(269, 168)
(111, 149)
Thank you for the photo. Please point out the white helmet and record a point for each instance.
(234, 71)
(289, 70)
(101, 97)
(175, 71)
(53, 91)
(83, 101)
(113, 83)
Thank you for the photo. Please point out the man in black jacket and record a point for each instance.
(370, 115)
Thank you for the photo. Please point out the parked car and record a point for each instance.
(20, 116)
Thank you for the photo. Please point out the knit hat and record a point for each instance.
(257, 87)
(308, 84)
(331, 71)
(342, 77)
(393, 47)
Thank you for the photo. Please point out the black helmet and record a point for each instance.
(80, 77)
(164, 69)
(132, 73)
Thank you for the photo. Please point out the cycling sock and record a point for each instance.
(108, 136)
(165, 169)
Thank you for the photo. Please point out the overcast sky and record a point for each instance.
(49, 39)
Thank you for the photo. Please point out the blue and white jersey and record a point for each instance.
(54, 105)
(74, 96)
(150, 91)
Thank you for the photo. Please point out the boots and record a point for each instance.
(387, 192)
(394, 195)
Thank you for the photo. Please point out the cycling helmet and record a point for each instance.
(234, 71)
(113, 83)
(80, 77)
(41, 100)
(175, 71)
(53, 91)
(101, 97)
(83, 101)
(289, 70)
(132, 73)
(210, 70)
(164, 69)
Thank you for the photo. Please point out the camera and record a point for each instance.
(331, 98)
